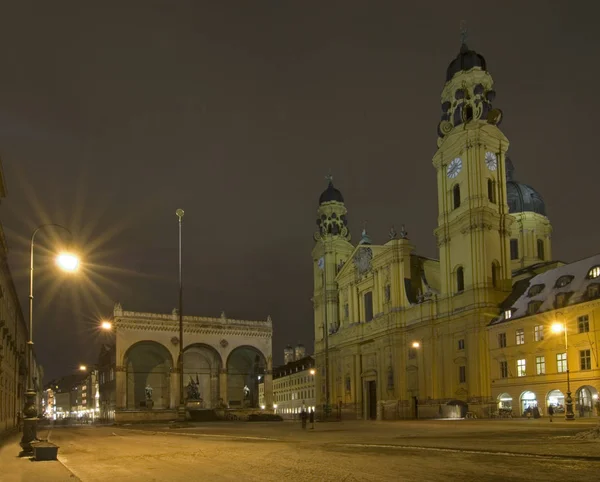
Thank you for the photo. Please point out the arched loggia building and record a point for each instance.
(225, 357)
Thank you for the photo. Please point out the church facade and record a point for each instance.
(399, 335)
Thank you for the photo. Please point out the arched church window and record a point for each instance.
(540, 249)
(460, 280)
(456, 196)
(492, 191)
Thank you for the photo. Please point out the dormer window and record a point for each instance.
(508, 314)
(593, 291)
(535, 290)
(594, 272)
(533, 307)
(562, 299)
(563, 281)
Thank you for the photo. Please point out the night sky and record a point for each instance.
(113, 116)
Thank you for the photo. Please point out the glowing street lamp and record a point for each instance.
(557, 328)
(106, 325)
(83, 368)
(312, 371)
(67, 262)
(416, 344)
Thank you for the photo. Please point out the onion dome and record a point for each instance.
(331, 194)
(465, 60)
(522, 197)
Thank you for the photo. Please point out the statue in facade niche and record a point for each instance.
(193, 389)
(246, 392)
(148, 393)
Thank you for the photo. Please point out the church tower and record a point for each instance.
(474, 223)
(331, 251)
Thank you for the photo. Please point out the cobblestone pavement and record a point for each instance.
(345, 451)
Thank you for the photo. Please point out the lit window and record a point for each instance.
(521, 368)
(561, 362)
(520, 336)
(503, 369)
(594, 272)
(538, 332)
(540, 365)
(585, 360)
(462, 374)
(583, 323)
(502, 340)
(461, 344)
(507, 314)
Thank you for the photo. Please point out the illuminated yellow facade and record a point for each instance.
(400, 335)
(530, 354)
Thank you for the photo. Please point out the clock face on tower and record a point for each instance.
(454, 168)
(491, 161)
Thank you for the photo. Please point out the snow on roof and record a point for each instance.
(579, 270)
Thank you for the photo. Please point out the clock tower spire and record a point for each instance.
(474, 221)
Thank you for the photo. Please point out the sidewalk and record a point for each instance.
(18, 469)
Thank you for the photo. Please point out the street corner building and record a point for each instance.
(399, 335)
(223, 360)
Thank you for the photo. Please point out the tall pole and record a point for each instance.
(30, 410)
(181, 411)
(569, 415)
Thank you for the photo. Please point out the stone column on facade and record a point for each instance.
(214, 390)
(268, 387)
(223, 387)
(376, 294)
(121, 387)
(358, 387)
(174, 388)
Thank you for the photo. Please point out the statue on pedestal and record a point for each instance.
(149, 401)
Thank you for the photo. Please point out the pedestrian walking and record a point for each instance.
(312, 419)
(303, 418)
(550, 412)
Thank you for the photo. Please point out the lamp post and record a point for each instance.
(181, 409)
(67, 262)
(557, 328)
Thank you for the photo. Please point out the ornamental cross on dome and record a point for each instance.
(329, 177)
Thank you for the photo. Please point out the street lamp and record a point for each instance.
(181, 410)
(82, 368)
(312, 371)
(416, 344)
(67, 262)
(557, 328)
(106, 325)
